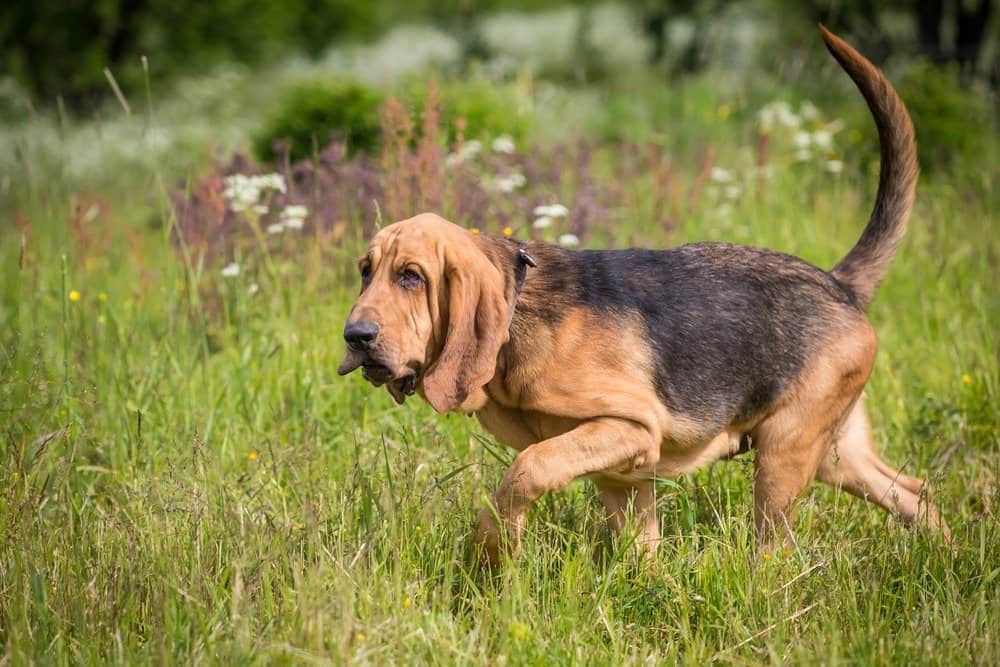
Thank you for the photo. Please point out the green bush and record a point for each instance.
(951, 122)
(489, 109)
(315, 112)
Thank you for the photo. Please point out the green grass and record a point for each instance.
(188, 480)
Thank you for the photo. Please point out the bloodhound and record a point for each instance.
(627, 365)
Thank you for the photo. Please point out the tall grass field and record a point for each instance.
(185, 479)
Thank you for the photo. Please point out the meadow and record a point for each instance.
(185, 478)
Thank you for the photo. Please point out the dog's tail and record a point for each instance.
(862, 268)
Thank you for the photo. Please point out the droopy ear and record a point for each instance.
(479, 310)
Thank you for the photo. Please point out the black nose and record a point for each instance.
(360, 334)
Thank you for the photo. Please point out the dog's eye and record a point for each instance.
(410, 279)
(366, 273)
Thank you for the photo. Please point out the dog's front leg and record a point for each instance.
(598, 445)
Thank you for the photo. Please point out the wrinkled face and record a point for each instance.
(390, 330)
(433, 313)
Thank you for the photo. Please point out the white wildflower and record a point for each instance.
(509, 183)
(720, 175)
(553, 211)
(244, 192)
(542, 222)
(294, 216)
(261, 209)
(803, 155)
(503, 144)
(834, 166)
(802, 140)
(231, 270)
(809, 111)
(469, 150)
(733, 191)
(276, 228)
(775, 114)
(823, 140)
(253, 289)
(569, 240)
(724, 210)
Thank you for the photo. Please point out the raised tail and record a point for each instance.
(863, 267)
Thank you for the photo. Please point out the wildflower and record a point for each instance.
(720, 175)
(542, 222)
(101, 319)
(474, 230)
(733, 191)
(802, 139)
(407, 602)
(966, 378)
(359, 636)
(724, 210)
(275, 228)
(503, 144)
(231, 270)
(553, 211)
(509, 183)
(253, 289)
(469, 150)
(252, 456)
(777, 113)
(293, 217)
(508, 232)
(808, 111)
(261, 209)
(244, 192)
(74, 295)
(823, 140)
(569, 240)
(803, 155)
(834, 166)
(725, 110)
(102, 297)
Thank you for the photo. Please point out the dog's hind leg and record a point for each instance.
(853, 465)
(795, 438)
(638, 501)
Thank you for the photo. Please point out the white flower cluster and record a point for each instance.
(509, 183)
(808, 144)
(503, 144)
(244, 192)
(569, 240)
(466, 152)
(544, 215)
(292, 217)
(230, 270)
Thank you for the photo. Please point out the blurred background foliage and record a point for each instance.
(59, 49)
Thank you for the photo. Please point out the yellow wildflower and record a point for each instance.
(474, 230)
(508, 232)
(102, 297)
(252, 456)
(725, 110)
(74, 295)
(407, 602)
(967, 379)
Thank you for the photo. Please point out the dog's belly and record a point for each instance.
(680, 459)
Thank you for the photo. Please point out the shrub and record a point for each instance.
(314, 113)
(951, 122)
(488, 109)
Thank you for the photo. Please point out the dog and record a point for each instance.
(627, 365)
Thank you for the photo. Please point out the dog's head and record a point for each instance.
(433, 312)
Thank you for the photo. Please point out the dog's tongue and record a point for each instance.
(351, 361)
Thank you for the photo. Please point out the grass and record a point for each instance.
(185, 483)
